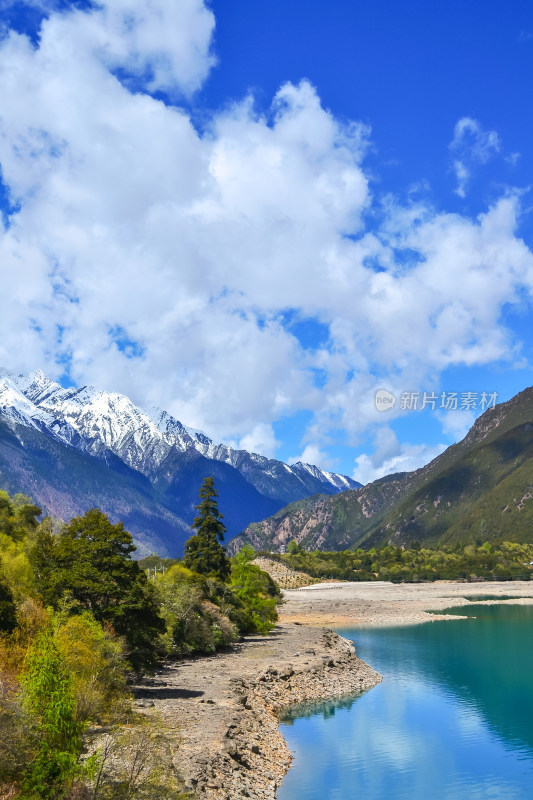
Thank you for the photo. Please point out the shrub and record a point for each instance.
(193, 622)
(257, 594)
(48, 697)
(93, 657)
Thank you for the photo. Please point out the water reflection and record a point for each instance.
(325, 709)
(476, 598)
(486, 661)
(452, 719)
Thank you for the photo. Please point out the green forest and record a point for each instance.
(80, 620)
(480, 561)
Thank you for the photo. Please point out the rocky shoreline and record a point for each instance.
(222, 712)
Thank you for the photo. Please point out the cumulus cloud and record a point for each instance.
(456, 424)
(154, 46)
(261, 439)
(146, 258)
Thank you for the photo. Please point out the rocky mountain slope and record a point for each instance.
(143, 467)
(478, 489)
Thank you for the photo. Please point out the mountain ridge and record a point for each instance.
(442, 502)
(108, 428)
(142, 438)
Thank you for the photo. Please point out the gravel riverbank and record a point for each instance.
(380, 603)
(222, 712)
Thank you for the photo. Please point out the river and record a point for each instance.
(452, 719)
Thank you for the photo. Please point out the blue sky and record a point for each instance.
(258, 215)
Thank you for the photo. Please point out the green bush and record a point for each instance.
(256, 593)
(48, 696)
(194, 624)
(94, 660)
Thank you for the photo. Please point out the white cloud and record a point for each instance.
(473, 146)
(390, 456)
(482, 144)
(456, 424)
(312, 454)
(164, 45)
(462, 173)
(261, 439)
(159, 262)
(158, 45)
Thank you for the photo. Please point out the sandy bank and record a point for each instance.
(221, 712)
(379, 603)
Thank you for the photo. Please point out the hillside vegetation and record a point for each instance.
(79, 619)
(504, 561)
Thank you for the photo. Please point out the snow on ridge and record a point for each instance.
(35, 385)
(141, 438)
(312, 469)
(197, 434)
(16, 407)
(14, 402)
(333, 478)
(338, 479)
(100, 418)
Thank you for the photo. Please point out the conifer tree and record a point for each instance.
(204, 552)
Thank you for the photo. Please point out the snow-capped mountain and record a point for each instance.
(172, 458)
(96, 422)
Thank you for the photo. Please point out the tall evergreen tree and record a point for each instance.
(203, 551)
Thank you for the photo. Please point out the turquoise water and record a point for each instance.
(452, 719)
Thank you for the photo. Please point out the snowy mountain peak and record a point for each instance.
(98, 422)
(75, 448)
(12, 399)
(341, 482)
(35, 384)
(16, 407)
